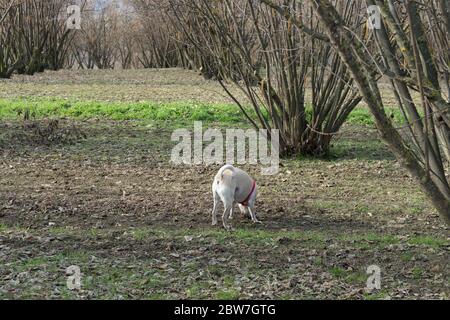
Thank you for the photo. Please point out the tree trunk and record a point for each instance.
(353, 56)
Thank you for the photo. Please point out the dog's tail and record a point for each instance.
(227, 170)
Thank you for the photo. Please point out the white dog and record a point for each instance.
(233, 185)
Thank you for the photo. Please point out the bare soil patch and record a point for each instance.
(164, 85)
(139, 227)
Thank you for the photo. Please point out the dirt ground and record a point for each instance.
(170, 85)
(110, 202)
(163, 85)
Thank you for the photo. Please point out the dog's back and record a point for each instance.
(224, 178)
(234, 179)
(233, 185)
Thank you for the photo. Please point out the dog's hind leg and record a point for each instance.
(214, 211)
(230, 217)
(228, 207)
(251, 209)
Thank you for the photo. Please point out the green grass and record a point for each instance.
(378, 295)
(370, 240)
(195, 291)
(249, 235)
(262, 236)
(175, 111)
(407, 256)
(350, 277)
(141, 234)
(157, 296)
(3, 228)
(362, 116)
(254, 236)
(337, 272)
(112, 278)
(34, 262)
(428, 241)
(15, 228)
(228, 294)
(57, 108)
(417, 273)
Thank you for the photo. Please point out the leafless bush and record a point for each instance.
(413, 54)
(96, 45)
(249, 44)
(33, 36)
(159, 43)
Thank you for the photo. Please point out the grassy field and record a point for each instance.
(98, 191)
